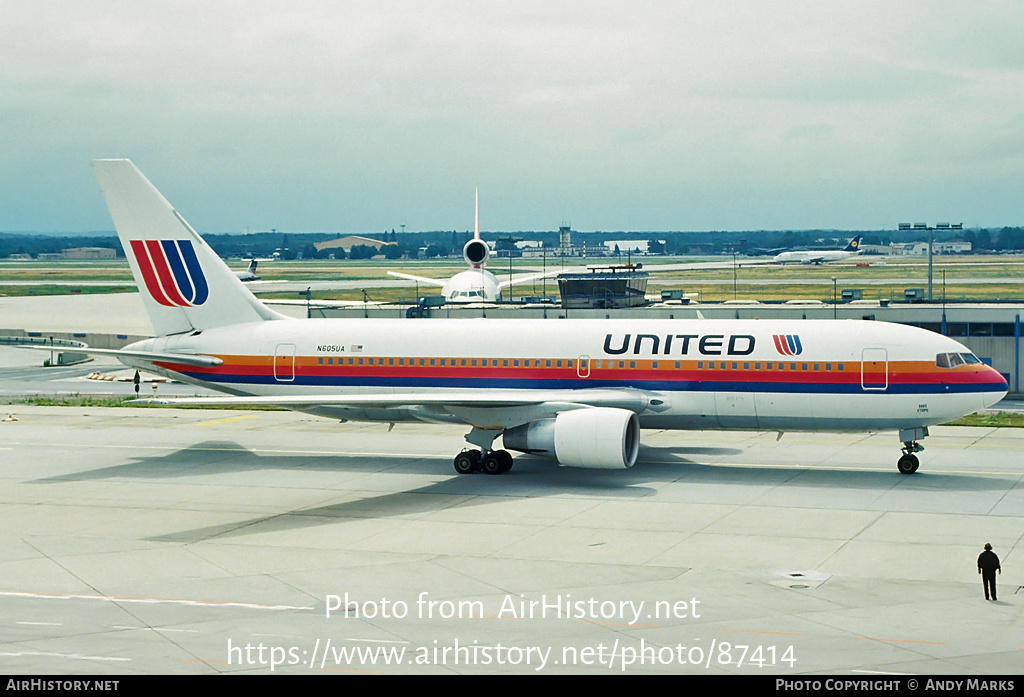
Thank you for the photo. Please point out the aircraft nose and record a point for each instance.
(996, 385)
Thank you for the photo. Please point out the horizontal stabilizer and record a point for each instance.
(131, 357)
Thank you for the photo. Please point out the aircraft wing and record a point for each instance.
(527, 278)
(634, 400)
(491, 409)
(429, 281)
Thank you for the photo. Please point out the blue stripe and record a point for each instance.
(195, 271)
(173, 257)
(576, 384)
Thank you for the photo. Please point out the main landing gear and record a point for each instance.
(484, 459)
(491, 462)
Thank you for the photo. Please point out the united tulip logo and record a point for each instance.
(788, 344)
(171, 272)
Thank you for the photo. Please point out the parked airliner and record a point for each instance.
(818, 256)
(476, 284)
(250, 273)
(578, 391)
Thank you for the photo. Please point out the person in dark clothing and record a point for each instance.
(988, 565)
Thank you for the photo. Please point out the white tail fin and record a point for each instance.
(184, 285)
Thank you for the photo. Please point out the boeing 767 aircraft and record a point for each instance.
(578, 391)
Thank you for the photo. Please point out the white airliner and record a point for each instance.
(575, 390)
(818, 256)
(476, 284)
(250, 273)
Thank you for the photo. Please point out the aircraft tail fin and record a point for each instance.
(184, 285)
(854, 245)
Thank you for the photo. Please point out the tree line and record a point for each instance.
(450, 242)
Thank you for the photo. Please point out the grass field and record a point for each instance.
(955, 278)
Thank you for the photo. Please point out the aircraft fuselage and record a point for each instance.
(756, 374)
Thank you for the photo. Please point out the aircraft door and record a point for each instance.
(583, 367)
(874, 369)
(284, 363)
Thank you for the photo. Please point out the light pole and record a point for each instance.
(734, 274)
(930, 229)
(835, 307)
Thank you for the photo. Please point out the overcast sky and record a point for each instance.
(658, 115)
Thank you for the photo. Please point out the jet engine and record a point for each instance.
(592, 438)
(476, 252)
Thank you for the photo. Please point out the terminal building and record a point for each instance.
(604, 287)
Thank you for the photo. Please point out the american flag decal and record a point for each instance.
(788, 344)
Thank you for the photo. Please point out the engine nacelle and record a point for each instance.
(593, 438)
(476, 252)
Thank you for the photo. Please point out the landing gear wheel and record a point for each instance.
(506, 464)
(496, 462)
(467, 462)
(908, 464)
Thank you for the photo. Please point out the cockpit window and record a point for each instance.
(952, 360)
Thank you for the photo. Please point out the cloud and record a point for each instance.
(631, 115)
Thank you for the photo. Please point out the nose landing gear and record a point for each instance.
(909, 463)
